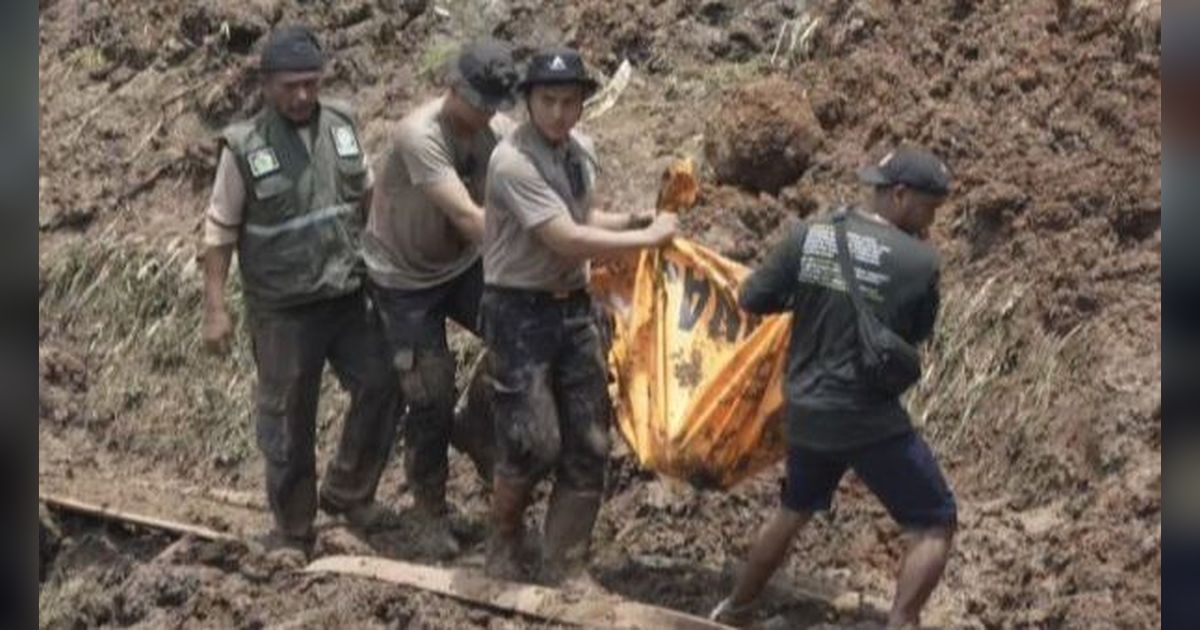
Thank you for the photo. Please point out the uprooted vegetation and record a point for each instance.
(1041, 393)
(139, 307)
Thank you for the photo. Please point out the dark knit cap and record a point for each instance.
(291, 49)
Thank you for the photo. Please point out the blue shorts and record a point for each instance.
(900, 471)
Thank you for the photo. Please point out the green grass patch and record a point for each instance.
(982, 363)
(89, 58)
(134, 308)
(431, 65)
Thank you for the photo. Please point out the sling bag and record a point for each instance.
(886, 360)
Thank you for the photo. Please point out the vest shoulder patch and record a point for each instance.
(262, 162)
(344, 141)
(238, 134)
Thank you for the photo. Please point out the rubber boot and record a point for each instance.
(510, 496)
(289, 551)
(368, 517)
(432, 516)
(568, 532)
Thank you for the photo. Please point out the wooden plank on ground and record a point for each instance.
(599, 610)
(103, 511)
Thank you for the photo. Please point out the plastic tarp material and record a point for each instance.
(698, 380)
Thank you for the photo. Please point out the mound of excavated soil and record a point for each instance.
(762, 136)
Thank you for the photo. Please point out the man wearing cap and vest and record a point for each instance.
(422, 254)
(841, 414)
(552, 410)
(290, 195)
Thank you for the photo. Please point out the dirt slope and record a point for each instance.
(1042, 395)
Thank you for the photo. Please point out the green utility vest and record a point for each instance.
(300, 237)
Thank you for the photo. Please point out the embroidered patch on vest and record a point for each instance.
(262, 162)
(344, 141)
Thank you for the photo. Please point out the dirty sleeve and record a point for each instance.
(772, 287)
(425, 154)
(226, 204)
(927, 310)
(518, 187)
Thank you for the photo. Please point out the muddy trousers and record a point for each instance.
(291, 347)
(551, 404)
(414, 322)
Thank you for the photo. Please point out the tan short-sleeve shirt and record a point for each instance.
(529, 184)
(411, 243)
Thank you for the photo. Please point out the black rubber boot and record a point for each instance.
(568, 532)
(432, 516)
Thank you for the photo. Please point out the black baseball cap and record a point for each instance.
(485, 75)
(557, 65)
(291, 49)
(916, 168)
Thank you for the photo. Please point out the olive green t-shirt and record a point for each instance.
(530, 183)
(411, 243)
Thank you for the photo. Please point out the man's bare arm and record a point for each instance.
(217, 325)
(573, 240)
(621, 221)
(364, 204)
(615, 221)
(452, 198)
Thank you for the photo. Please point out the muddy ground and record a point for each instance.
(1042, 396)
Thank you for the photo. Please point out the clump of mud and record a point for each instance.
(736, 223)
(763, 135)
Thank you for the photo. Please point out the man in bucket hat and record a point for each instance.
(290, 195)
(552, 411)
(422, 253)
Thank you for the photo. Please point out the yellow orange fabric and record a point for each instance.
(698, 392)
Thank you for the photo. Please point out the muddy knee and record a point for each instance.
(426, 378)
(586, 444)
(586, 440)
(278, 432)
(526, 426)
(530, 445)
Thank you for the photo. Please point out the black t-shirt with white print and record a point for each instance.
(829, 406)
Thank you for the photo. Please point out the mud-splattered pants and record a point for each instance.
(552, 409)
(414, 323)
(291, 347)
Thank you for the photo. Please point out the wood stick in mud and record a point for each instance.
(69, 504)
(599, 610)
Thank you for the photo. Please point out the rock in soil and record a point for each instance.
(762, 136)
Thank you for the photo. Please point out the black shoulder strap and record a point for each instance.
(576, 149)
(843, 255)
